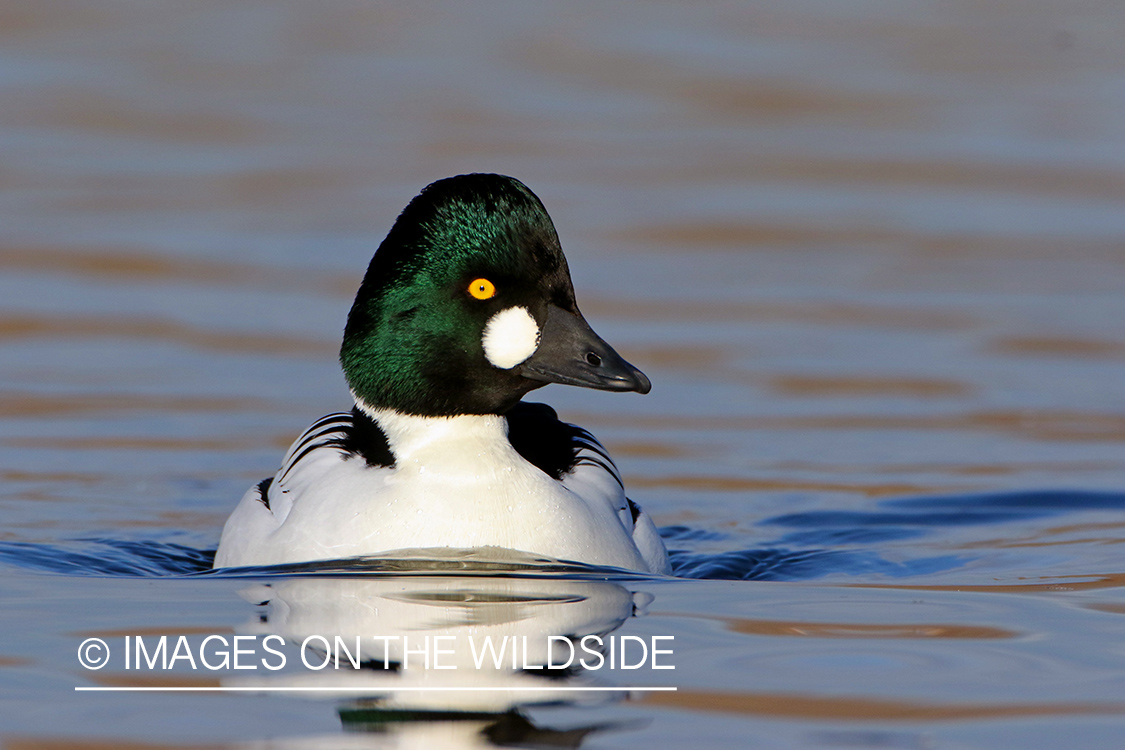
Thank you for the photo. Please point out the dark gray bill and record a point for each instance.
(571, 353)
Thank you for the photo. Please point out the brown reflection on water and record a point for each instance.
(741, 484)
(151, 329)
(791, 705)
(713, 94)
(1033, 584)
(1043, 538)
(176, 519)
(759, 235)
(173, 444)
(804, 629)
(139, 443)
(152, 680)
(1073, 181)
(268, 188)
(14, 661)
(1058, 346)
(29, 405)
(107, 114)
(811, 385)
(18, 475)
(745, 234)
(483, 132)
(115, 265)
(649, 449)
(28, 18)
(678, 357)
(857, 315)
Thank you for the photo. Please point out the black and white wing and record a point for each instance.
(573, 456)
(336, 437)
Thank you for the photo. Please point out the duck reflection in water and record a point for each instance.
(397, 620)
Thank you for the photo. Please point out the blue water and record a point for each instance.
(824, 543)
(870, 255)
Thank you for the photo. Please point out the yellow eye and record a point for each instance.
(482, 289)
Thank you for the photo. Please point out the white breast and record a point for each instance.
(457, 482)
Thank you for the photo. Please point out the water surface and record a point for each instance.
(872, 256)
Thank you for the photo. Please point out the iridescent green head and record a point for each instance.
(468, 305)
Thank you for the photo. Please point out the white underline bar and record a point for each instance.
(322, 689)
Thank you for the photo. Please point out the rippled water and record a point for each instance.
(872, 256)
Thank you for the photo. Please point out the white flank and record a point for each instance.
(456, 482)
(510, 337)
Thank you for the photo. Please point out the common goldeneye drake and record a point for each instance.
(466, 307)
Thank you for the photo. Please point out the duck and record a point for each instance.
(466, 307)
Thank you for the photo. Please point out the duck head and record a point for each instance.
(468, 305)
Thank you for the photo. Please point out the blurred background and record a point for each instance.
(863, 249)
(870, 253)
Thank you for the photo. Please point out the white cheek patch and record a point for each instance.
(510, 337)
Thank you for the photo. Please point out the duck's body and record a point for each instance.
(439, 451)
(465, 481)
